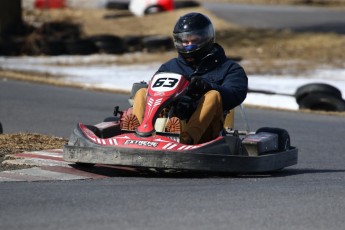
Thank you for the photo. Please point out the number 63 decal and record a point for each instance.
(165, 82)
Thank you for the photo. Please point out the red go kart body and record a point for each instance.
(232, 151)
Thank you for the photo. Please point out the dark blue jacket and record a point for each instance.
(224, 75)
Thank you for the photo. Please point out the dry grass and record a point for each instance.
(263, 51)
(20, 142)
(269, 51)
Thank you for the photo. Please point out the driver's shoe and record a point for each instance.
(186, 139)
(130, 122)
(173, 125)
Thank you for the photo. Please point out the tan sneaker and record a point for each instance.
(173, 125)
(185, 138)
(130, 122)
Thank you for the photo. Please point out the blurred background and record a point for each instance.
(268, 37)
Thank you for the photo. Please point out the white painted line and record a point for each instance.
(5, 179)
(49, 175)
(35, 162)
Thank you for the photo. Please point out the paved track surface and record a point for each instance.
(309, 195)
(52, 110)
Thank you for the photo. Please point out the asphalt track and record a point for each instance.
(309, 195)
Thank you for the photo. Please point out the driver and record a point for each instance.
(217, 84)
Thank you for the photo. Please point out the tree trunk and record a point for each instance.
(10, 16)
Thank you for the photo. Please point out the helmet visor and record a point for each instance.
(187, 42)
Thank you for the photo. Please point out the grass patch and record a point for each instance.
(21, 142)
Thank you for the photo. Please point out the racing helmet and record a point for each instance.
(194, 36)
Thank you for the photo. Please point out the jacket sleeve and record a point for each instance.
(234, 87)
(163, 68)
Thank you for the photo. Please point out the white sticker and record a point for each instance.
(165, 82)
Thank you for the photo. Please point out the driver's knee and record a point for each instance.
(213, 96)
(139, 104)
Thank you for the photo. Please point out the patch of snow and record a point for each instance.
(87, 70)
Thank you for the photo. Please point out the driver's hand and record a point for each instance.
(198, 86)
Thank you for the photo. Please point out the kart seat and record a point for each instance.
(229, 119)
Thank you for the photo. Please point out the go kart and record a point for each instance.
(151, 147)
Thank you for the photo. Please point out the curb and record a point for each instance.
(48, 165)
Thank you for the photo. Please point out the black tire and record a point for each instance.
(153, 44)
(54, 48)
(84, 165)
(117, 5)
(185, 4)
(80, 47)
(323, 88)
(153, 10)
(109, 119)
(1, 130)
(60, 30)
(110, 44)
(323, 102)
(283, 137)
(133, 43)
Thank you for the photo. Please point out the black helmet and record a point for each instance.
(198, 30)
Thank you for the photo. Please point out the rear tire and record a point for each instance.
(283, 137)
(109, 119)
(84, 165)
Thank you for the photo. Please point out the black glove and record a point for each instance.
(184, 108)
(198, 86)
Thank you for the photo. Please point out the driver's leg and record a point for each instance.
(207, 120)
(139, 104)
